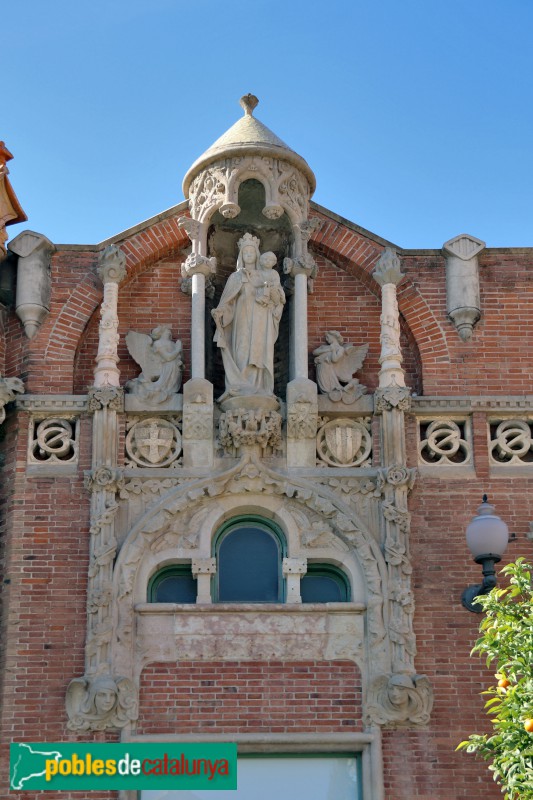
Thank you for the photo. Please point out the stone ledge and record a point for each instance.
(52, 403)
(508, 404)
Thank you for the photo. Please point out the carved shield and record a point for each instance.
(344, 442)
(154, 441)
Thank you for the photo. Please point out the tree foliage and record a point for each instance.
(507, 642)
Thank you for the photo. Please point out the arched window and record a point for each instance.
(249, 553)
(173, 584)
(324, 583)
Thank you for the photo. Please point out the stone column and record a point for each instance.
(195, 270)
(106, 401)
(293, 569)
(302, 393)
(203, 569)
(112, 270)
(391, 400)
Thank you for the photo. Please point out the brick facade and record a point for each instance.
(45, 520)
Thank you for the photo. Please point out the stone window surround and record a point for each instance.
(368, 743)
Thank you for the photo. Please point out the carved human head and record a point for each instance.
(268, 260)
(102, 696)
(248, 251)
(334, 336)
(398, 689)
(162, 331)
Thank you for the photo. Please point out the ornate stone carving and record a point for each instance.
(100, 702)
(195, 264)
(112, 270)
(152, 442)
(336, 363)
(388, 274)
(445, 442)
(34, 283)
(462, 282)
(246, 427)
(393, 396)
(398, 475)
(53, 441)
(198, 416)
(111, 397)
(302, 419)
(161, 361)
(108, 478)
(511, 442)
(9, 388)
(247, 320)
(400, 699)
(345, 443)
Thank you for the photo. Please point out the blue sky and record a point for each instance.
(415, 115)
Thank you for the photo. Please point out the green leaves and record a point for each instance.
(506, 641)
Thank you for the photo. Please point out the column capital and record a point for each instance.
(112, 265)
(388, 268)
(198, 265)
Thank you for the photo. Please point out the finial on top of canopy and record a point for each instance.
(248, 102)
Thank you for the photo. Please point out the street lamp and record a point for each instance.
(487, 537)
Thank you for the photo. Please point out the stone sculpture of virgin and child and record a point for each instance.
(247, 322)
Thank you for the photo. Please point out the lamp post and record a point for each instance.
(487, 537)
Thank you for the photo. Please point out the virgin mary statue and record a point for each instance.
(247, 320)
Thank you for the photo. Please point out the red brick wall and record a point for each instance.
(250, 696)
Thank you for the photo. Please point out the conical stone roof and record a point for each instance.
(248, 136)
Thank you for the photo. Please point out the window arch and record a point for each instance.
(324, 583)
(173, 584)
(249, 552)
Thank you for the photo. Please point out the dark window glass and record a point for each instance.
(173, 585)
(248, 565)
(324, 584)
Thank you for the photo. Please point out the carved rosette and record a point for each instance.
(105, 478)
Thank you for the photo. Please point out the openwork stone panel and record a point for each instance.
(344, 442)
(53, 441)
(445, 441)
(153, 442)
(511, 441)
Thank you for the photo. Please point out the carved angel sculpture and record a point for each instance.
(401, 698)
(100, 702)
(336, 364)
(161, 362)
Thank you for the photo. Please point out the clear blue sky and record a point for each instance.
(415, 115)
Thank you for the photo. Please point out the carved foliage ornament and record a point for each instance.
(392, 397)
(345, 443)
(111, 397)
(250, 427)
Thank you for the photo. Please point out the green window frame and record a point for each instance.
(184, 576)
(256, 560)
(335, 582)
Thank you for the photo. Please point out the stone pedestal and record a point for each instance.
(197, 431)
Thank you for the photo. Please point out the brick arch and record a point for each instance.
(141, 250)
(358, 256)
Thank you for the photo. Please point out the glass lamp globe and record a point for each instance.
(487, 535)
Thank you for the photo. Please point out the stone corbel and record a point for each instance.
(34, 284)
(9, 388)
(202, 570)
(293, 569)
(462, 282)
(100, 702)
